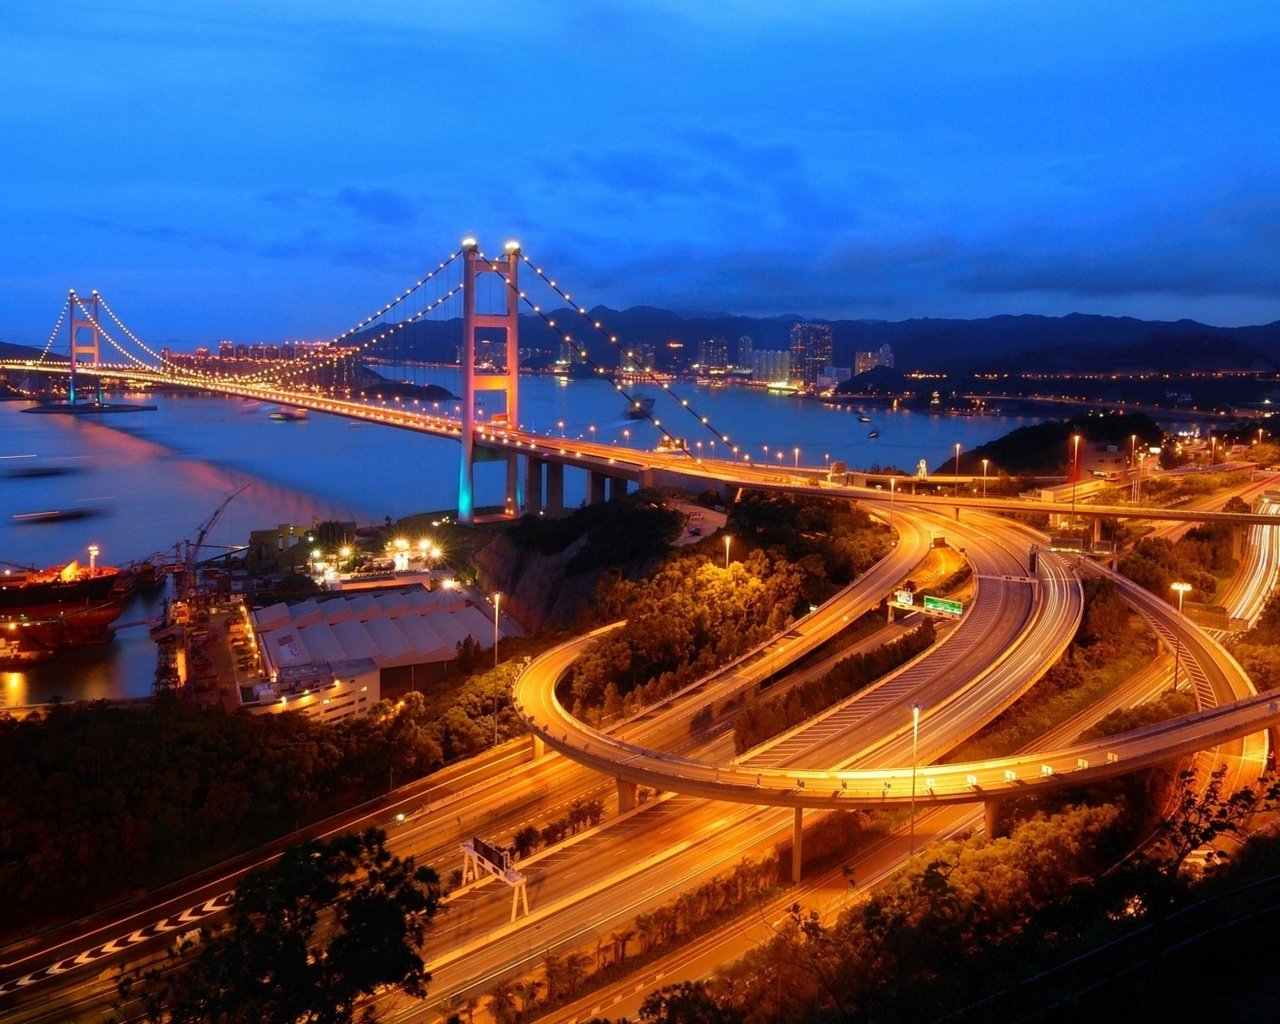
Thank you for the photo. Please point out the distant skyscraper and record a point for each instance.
(226, 349)
(746, 348)
(864, 361)
(810, 352)
(770, 365)
(713, 353)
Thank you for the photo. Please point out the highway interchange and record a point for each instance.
(1014, 630)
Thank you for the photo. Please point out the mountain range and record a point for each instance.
(1011, 343)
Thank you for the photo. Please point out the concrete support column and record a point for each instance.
(991, 818)
(797, 843)
(539, 746)
(626, 796)
(515, 498)
(595, 487)
(533, 484)
(1097, 530)
(617, 487)
(1239, 535)
(555, 486)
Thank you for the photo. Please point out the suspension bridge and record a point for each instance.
(485, 296)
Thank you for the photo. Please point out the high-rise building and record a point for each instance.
(864, 361)
(810, 352)
(769, 365)
(713, 353)
(226, 349)
(746, 348)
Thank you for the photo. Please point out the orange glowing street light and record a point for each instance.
(1181, 589)
(727, 538)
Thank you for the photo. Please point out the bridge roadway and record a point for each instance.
(759, 783)
(634, 464)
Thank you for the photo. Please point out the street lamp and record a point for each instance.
(957, 469)
(915, 749)
(1075, 470)
(497, 600)
(727, 538)
(1181, 589)
(984, 477)
(797, 454)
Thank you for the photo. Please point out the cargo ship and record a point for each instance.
(641, 408)
(43, 611)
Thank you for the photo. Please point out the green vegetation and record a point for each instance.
(690, 617)
(1168, 705)
(1044, 448)
(566, 975)
(693, 615)
(308, 938)
(831, 542)
(1194, 558)
(636, 527)
(1258, 650)
(767, 718)
(1016, 928)
(1111, 645)
(581, 814)
(98, 800)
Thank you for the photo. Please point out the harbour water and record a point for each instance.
(149, 479)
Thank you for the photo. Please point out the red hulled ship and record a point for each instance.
(43, 611)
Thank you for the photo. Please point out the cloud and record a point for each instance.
(380, 205)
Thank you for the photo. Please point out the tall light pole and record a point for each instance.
(915, 750)
(893, 487)
(497, 600)
(1181, 589)
(957, 469)
(1075, 471)
(727, 538)
(984, 477)
(797, 454)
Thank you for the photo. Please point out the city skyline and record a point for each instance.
(226, 172)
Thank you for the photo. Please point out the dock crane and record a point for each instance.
(191, 554)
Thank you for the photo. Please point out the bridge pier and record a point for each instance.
(595, 487)
(533, 484)
(555, 487)
(617, 487)
(514, 499)
(626, 796)
(1239, 536)
(539, 746)
(991, 808)
(797, 846)
(1097, 530)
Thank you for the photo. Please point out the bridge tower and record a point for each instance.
(474, 381)
(84, 316)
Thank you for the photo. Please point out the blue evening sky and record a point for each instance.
(268, 170)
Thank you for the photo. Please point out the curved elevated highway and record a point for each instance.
(775, 781)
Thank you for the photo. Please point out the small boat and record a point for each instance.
(55, 515)
(641, 408)
(782, 387)
(874, 434)
(864, 419)
(289, 414)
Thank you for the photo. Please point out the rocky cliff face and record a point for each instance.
(534, 586)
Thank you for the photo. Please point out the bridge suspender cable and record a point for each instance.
(612, 340)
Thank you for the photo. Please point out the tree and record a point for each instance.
(328, 924)
(687, 1003)
(526, 840)
(1202, 815)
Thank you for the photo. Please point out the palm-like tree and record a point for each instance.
(502, 1002)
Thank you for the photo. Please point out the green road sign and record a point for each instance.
(942, 606)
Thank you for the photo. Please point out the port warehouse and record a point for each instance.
(330, 655)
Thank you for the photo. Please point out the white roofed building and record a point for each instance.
(395, 629)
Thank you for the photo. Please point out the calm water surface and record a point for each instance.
(154, 477)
